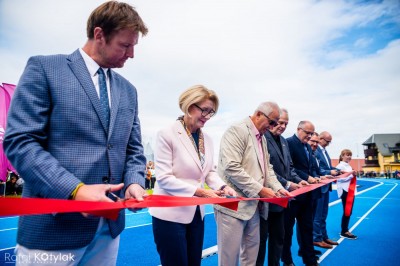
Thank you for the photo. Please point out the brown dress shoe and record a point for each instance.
(331, 242)
(322, 244)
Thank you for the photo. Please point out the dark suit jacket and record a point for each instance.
(324, 167)
(304, 165)
(56, 138)
(281, 162)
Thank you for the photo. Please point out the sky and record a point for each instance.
(335, 63)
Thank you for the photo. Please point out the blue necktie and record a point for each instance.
(104, 95)
(307, 152)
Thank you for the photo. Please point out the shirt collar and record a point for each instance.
(91, 65)
(254, 129)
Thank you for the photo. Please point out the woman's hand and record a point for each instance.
(228, 191)
(206, 193)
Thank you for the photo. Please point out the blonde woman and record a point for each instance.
(343, 185)
(184, 163)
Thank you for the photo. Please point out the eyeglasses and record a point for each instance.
(310, 133)
(272, 123)
(327, 141)
(205, 112)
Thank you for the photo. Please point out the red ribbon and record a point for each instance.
(350, 196)
(110, 210)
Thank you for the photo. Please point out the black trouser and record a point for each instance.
(345, 219)
(147, 183)
(272, 230)
(301, 210)
(179, 244)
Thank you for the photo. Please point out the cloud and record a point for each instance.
(247, 51)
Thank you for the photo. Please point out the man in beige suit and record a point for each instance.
(244, 166)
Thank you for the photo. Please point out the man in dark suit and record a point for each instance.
(272, 229)
(301, 209)
(321, 238)
(72, 127)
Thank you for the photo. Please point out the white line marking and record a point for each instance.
(8, 229)
(326, 253)
(10, 217)
(134, 226)
(6, 248)
(358, 193)
(140, 225)
(208, 252)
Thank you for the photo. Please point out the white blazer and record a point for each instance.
(179, 171)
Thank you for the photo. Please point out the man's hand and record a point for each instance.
(266, 193)
(294, 186)
(283, 193)
(311, 180)
(135, 191)
(96, 192)
(335, 172)
(228, 191)
(304, 183)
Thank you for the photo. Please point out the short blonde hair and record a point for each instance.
(343, 153)
(196, 94)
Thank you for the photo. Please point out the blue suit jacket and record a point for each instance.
(282, 164)
(56, 138)
(324, 167)
(304, 165)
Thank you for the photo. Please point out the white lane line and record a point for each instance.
(140, 225)
(134, 226)
(326, 253)
(358, 193)
(8, 229)
(6, 248)
(10, 217)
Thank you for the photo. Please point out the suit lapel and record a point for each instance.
(286, 155)
(187, 143)
(265, 152)
(81, 72)
(275, 146)
(329, 159)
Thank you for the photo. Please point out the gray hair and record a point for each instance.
(267, 108)
(284, 110)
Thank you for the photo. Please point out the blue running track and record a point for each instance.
(375, 218)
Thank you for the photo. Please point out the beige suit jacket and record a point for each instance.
(240, 167)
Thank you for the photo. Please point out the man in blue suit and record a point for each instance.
(273, 229)
(74, 133)
(301, 209)
(321, 213)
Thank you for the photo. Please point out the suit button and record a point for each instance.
(109, 146)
